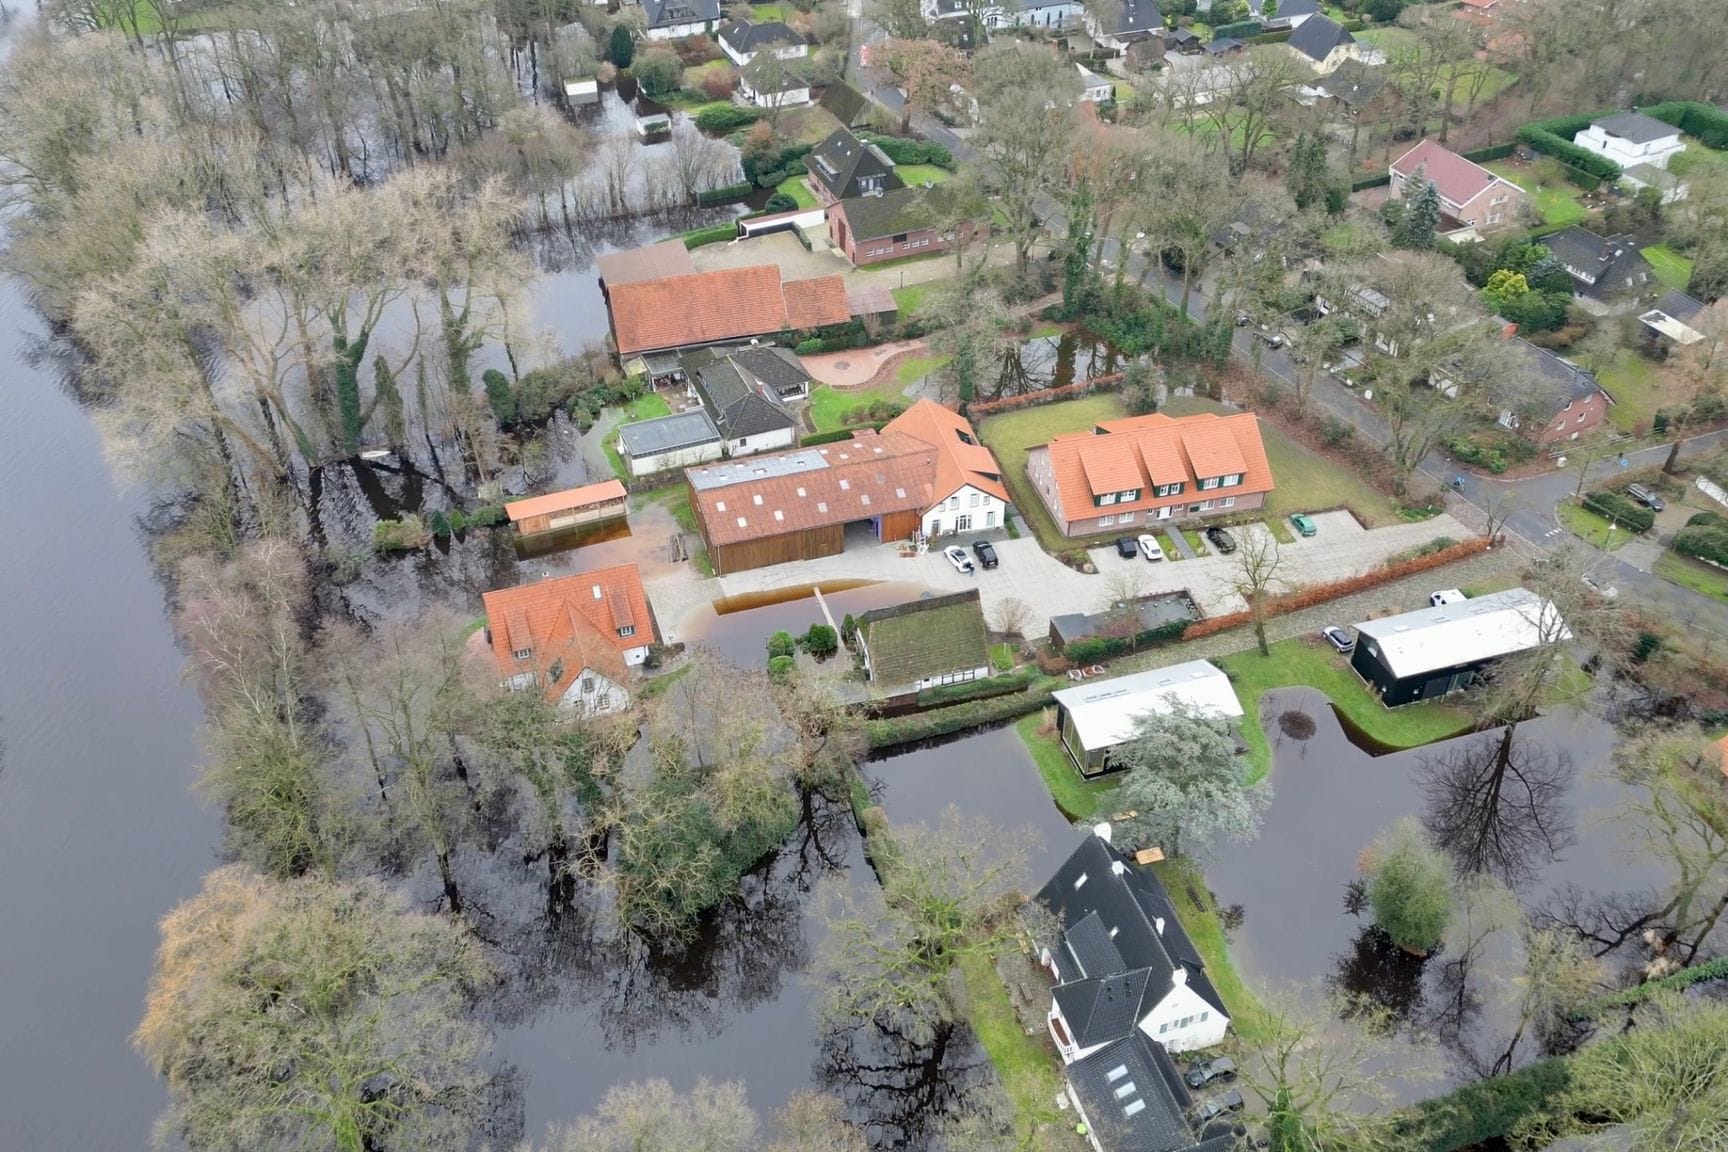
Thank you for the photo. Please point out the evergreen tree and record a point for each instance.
(1078, 275)
(1307, 178)
(621, 49)
(1421, 219)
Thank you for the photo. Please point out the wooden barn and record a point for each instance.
(798, 505)
(557, 511)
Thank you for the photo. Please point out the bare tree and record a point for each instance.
(1010, 616)
(652, 1116)
(1025, 132)
(1680, 817)
(311, 1013)
(1261, 575)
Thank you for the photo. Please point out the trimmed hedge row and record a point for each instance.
(1322, 593)
(1695, 118)
(1705, 538)
(721, 195)
(1480, 1112)
(1272, 37)
(1623, 510)
(1553, 137)
(981, 408)
(903, 150)
(1711, 970)
(1492, 152)
(944, 694)
(886, 733)
(1374, 181)
(713, 234)
(1091, 649)
(1241, 30)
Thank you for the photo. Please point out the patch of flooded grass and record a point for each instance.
(1198, 912)
(1078, 799)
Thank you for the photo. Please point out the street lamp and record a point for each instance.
(1608, 535)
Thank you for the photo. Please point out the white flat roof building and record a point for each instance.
(1102, 714)
(1435, 651)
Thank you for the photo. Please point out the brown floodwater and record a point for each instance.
(738, 627)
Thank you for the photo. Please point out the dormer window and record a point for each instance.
(1209, 483)
(522, 653)
(1130, 494)
(1106, 498)
(627, 630)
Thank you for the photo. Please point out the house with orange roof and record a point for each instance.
(554, 511)
(574, 638)
(1123, 475)
(925, 472)
(966, 492)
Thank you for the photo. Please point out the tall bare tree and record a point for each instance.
(1026, 125)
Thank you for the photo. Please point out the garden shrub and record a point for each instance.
(904, 150)
(713, 234)
(1705, 121)
(1707, 542)
(780, 202)
(780, 644)
(808, 347)
(885, 732)
(401, 535)
(984, 689)
(780, 668)
(487, 515)
(1245, 30)
(1410, 888)
(1621, 509)
(1092, 649)
(1553, 137)
(725, 193)
(1480, 1112)
(719, 119)
(821, 640)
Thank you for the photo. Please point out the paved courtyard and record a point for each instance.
(1048, 587)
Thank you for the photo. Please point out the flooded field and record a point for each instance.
(738, 627)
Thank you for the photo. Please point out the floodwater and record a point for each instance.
(738, 627)
(99, 832)
(1053, 361)
(1332, 797)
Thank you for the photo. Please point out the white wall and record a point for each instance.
(984, 509)
(750, 445)
(682, 458)
(790, 98)
(592, 694)
(676, 31)
(1206, 1025)
(1625, 153)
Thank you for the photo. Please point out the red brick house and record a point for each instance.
(903, 222)
(1469, 193)
(1126, 474)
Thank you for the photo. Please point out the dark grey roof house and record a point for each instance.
(1223, 47)
(671, 18)
(744, 39)
(1602, 268)
(1132, 1099)
(1289, 13)
(1123, 964)
(1676, 319)
(1355, 84)
(1636, 127)
(744, 390)
(667, 442)
(843, 166)
(1317, 37)
(1132, 20)
(846, 104)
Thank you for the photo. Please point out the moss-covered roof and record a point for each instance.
(925, 638)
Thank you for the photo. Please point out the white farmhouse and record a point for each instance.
(1123, 962)
(741, 40)
(966, 489)
(1632, 138)
(677, 19)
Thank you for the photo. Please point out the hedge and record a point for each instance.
(1478, 1113)
(886, 733)
(1321, 593)
(837, 435)
(1622, 510)
(1553, 137)
(721, 195)
(1374, 181)
(1695, 118)
(713, 234)
(723, 118)
(984, 689)
(1492, 152)
(1706, 542)
(902, 150)
(1712, 970)
(1271, 37)
(1241, 30)
(1091, 649)
(981, 408)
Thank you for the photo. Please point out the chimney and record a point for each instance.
(1102, 831)
(1158, 923)
(1179, 975)
(1117, 867)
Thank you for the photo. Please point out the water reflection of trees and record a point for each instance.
(1377, 972)
(902, 1084)
(1497, 804)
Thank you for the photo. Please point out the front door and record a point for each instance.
(1164, 513)
(989, 519)
(963, 522)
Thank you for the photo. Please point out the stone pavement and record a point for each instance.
(1048, 587)
(856, 367)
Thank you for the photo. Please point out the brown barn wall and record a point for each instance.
(782, 549)
(900, 525)
(589, 514)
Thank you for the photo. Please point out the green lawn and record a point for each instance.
(1308, 662)
(1305, 482)
(793, 186)
(1638, 392)
(1588, 526)
(1695, 157)
(1078, 799)
(1012, 435)
(1556, 201)
(911, 298)
(645, 407)
(922, 173)
(1689, 573)
(915, 368)
(1192, 535)
(1280, 529)
(829, 406)
(765, 12)
(1028, 1065)
(1670, 267)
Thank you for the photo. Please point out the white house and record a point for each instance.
(794, 92)
(742, 40)
(1098, 715)
(1123, 962)
(1094, 88)
(1036, 14)
(1632, 138)
(967, 492)
(575, 638)
(925, 643)
(676, 19)
(681, 440)
(1131, 21)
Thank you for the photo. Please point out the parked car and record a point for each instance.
(1601, 587)
(1646, 497)
(957, 557)
(1221, 540)
(1127, 547)
(1216, 1106)
(1203, 1072)
(985, 552)
(1270, 339)
(1304, 524)
(1338, 638)
(1444, 597)
(1150, 548)
(1243, 319)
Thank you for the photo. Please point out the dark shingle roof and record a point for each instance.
(1355, 84)
(846, 104)
(738, 406)
(842, 162)
(1137, 16)
(1289, 8)
(1132, 1097)
(1129, 902)
(667, 433)
(1608, 264)
(774, 366)
(1090, 949)
(1105, 1008)
(1569, 381)
(663, 12)
(1318, 36)
(1636, 127)
(922, 638)
(1220, 47)
(745, 37)
(1680, 306)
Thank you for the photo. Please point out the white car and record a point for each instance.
(957, 557)
(1149, 548)
(1444, 597)
(1601, 587)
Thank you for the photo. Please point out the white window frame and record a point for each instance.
(1105, 499)
(1106, 521)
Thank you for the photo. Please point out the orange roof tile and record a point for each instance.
(569, 498)
(1722, 752)
(572, 621)
(755, 497)
(1167, 447)
(667, 258)
(700, 308)
(817, 303)
(1112, 466)
(960, 458)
